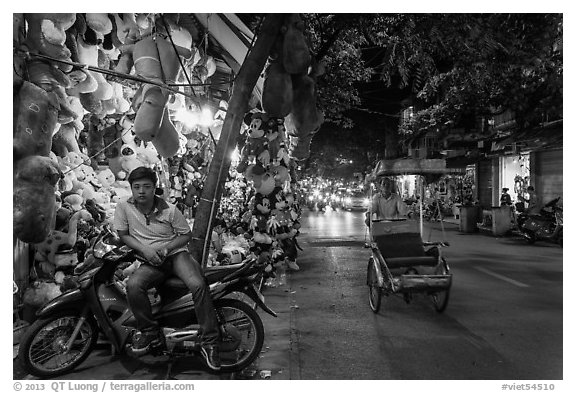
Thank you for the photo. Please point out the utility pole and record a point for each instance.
(237, 107)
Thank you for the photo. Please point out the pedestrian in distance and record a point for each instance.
(533, 201)
(505, 198)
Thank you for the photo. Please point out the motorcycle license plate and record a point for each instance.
(258, 293)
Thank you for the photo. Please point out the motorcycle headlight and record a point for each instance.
(348, 200)
(366, 201)
(101, 249)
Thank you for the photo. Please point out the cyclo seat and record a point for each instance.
(400, 244)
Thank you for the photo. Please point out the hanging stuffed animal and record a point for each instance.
(35, 179)
(156, 59)
(34, 124)
(46, 34)
(277, 91)
(296, 56)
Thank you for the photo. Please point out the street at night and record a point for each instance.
(503, 320)
(337, 196)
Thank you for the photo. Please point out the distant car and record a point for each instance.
(356, 200)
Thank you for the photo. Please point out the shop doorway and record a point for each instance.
(515, 174)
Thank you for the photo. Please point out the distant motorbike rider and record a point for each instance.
(158, 232)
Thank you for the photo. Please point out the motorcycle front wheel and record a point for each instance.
(43, 351)
(242, 334)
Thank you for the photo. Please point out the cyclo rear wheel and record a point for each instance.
(440, 298)
(374, 290)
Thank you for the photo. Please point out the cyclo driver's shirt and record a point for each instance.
(388, 208)
(166, 223)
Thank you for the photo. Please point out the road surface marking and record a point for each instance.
(501, 277)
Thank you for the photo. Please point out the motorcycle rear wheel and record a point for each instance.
(42, 349)
(242, 334)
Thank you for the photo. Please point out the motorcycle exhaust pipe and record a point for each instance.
(180, 335)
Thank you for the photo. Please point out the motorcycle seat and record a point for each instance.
(212, 274)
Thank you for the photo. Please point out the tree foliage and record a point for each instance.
(462, 65)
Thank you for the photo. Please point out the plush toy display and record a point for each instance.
(78, 134)
(40, 293)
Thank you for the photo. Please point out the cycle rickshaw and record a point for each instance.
(401, 262)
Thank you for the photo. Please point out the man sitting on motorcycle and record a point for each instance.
(159, 233)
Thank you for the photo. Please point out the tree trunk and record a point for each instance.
(238, 105)
(391, 143)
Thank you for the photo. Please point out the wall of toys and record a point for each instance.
(83, 120)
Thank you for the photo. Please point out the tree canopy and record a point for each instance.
(453, 67)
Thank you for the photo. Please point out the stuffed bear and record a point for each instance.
(106, 178)
(35, 179)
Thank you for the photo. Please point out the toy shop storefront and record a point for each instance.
(533, 157)
(91, 105)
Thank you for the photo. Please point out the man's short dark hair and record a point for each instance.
(142, 172)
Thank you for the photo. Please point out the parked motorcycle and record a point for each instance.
(547, 225)
(67, 327)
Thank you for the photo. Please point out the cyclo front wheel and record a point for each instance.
(43, 350)
(374, 289)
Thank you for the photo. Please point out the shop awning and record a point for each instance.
(412, 166)
(548, 136)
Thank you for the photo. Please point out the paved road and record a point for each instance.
(503, 321)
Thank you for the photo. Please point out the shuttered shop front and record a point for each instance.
(485, 183)
(548, 174)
